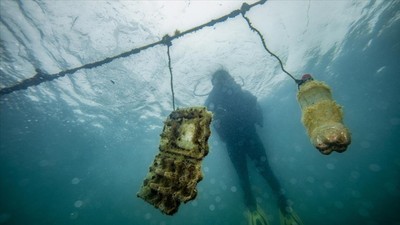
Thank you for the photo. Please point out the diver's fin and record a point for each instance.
(289, 217)
(257, 217)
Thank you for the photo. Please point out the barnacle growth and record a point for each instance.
(323, 118)
(176, 169)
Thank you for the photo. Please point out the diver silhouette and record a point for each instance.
(236, 113)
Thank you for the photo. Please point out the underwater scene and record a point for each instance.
(199, 112)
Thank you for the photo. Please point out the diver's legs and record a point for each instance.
(257, 153)
(239, 161)
(266, 172)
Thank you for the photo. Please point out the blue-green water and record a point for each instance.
(57, 169)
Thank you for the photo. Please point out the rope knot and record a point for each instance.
(167, 40)
(40, 74)
(245, 7)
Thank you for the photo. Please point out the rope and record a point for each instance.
(243, 12)
(168, 42)
(195, 89)
(41, 77)
(205, 94)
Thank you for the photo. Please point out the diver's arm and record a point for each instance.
(259, 115)
(254, 109)
(209, 103)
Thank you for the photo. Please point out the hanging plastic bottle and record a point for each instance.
(322, 116)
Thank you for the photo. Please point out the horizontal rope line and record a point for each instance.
(41, 77)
